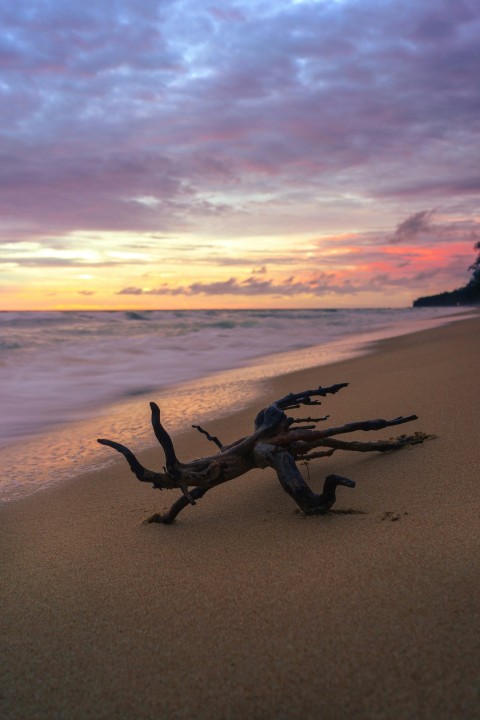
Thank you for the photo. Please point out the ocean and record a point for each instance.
(69, 377)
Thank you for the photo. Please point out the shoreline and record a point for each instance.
(216, 394)
(123, 390)
(245, 608)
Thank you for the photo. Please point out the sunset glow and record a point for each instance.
(246, 154)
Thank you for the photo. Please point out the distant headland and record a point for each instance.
(467, 295)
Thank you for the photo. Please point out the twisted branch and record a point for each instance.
(212, 438)
(277, 441)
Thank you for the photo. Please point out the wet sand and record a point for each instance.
(244, 608)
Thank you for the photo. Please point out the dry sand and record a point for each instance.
(246, 609)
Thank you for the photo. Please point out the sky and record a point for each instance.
(187, 154)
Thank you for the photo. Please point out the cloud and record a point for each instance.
(185, 103)
(194, 123)
(319, 284)
(443, 187)
(413, 226)
(316, 286)
(420, 228)
(387, 280)
(427, 251)
(53, 262)
(131, 291)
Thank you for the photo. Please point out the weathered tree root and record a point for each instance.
(278, 441)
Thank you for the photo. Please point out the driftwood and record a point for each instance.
(278, 441)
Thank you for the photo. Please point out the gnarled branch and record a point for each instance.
(277, 441)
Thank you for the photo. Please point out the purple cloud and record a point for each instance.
(319, 284)
(131, 291)
(421, 228)
(104, 105)
(413, 226)
(253, 119)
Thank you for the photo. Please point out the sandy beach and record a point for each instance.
(244, 608)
